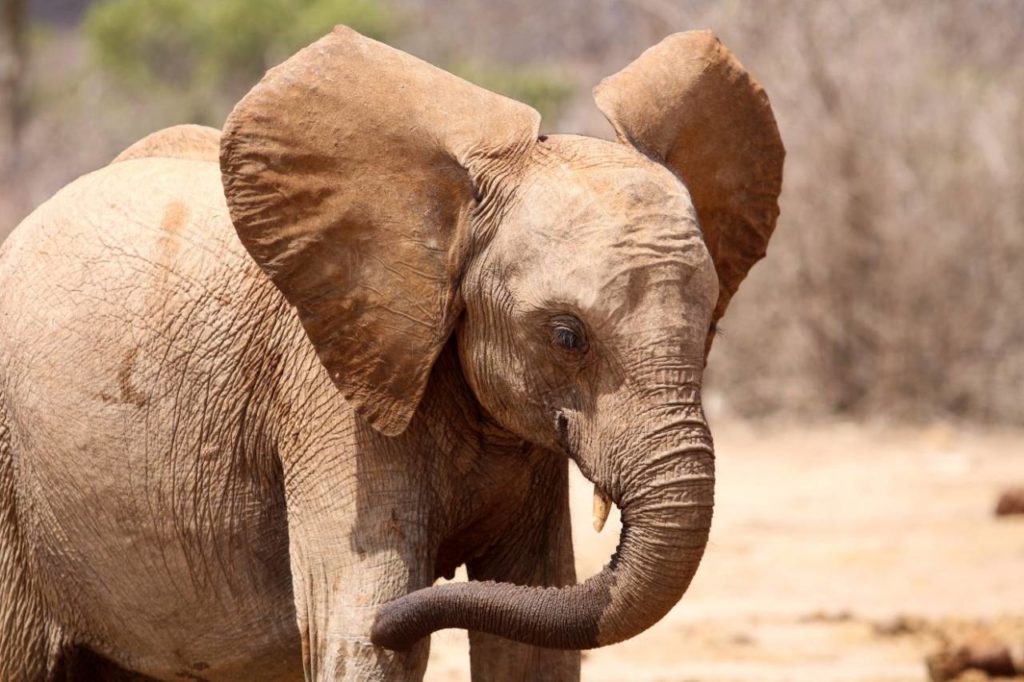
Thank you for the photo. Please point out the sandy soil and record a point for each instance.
(839, 552)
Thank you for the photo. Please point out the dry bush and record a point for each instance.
(893, 286)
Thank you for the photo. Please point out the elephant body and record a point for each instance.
(155, 534)
(174, 523)
(261, 387)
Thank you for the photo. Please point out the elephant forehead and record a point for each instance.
(595, 219)
(613, 260)
(584, 191)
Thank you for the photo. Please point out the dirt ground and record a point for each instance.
(838, 553)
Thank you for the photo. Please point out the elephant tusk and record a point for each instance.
(602, 505)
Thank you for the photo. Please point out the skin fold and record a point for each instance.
(259, 389)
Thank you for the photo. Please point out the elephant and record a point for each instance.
(261, 387)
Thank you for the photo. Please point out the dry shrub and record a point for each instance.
(894, 284)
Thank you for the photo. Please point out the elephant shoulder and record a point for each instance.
(188, 141)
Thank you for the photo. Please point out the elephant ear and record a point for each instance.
(351, 174)
(688, 103)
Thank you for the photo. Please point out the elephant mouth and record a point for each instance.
(602, 506)
(602, 502)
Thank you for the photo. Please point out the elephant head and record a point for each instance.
(395, 205)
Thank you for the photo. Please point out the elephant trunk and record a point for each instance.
(666, 516)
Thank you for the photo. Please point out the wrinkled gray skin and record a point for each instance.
(162, 410)
(165, 408)
(185, 494)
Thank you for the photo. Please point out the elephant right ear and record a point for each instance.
(351, 174)
(690, 104)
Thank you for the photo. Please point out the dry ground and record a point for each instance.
(838, 553)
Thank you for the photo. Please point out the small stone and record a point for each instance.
(842, 616)
(945, 665)
(899, 626)
(1011, 502)
(980, 652)
(742, 639)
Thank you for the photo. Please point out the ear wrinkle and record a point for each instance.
(362, 196)
(689, 104)
(498, 188)
(458, 262)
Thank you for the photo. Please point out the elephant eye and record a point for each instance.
(566, 338)
(567, 333)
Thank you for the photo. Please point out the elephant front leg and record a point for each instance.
(335, 604)
(537, 550)
(356, 541)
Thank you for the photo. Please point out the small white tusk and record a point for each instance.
(602, 505)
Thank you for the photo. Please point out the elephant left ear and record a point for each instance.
(353, 173)
(689, 103)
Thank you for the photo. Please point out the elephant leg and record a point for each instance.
(24, 635)
(31, 647)
(355, 542)
(537, 551)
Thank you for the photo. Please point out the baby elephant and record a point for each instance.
(259, 389)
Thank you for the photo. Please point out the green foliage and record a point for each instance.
(544, 88)
(215, 44)
(195, 58)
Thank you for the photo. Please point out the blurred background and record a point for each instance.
(867, 393)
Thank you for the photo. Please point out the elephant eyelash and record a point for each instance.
(716, 329)
(568, 334)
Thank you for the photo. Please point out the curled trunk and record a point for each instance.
(666, 517)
